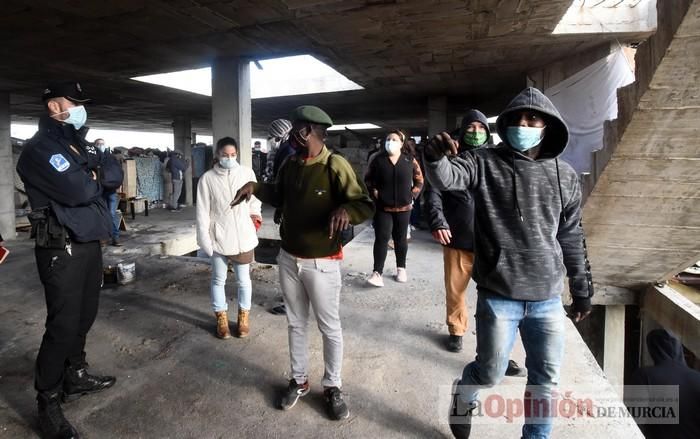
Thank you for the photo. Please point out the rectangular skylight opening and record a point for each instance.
(288, 76)
(355, 126)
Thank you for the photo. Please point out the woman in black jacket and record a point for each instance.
(394, 180)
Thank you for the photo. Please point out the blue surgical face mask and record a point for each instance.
(228, 162)
(77, 116)
(524, 138)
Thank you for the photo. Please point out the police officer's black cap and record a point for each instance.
(67, 89)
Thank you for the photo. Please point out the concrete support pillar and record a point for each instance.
(182, 132)
(230, 102)
(7, 172)
(437, 115)
(614, 346)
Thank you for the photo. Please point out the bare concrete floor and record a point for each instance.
(176, 380)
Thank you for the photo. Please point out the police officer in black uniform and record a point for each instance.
(65, 177)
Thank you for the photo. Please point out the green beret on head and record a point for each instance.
(311, 114)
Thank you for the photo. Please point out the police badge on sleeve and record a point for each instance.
(59, 162)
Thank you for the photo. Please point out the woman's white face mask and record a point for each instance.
(228, 162)
(392, 146)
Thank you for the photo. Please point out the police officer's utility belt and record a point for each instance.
(47, 231)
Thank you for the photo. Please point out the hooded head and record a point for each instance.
(664, 346)
(556, 133)
(472, 116)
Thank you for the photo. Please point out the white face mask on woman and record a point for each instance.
(392, 146)
(228, 162)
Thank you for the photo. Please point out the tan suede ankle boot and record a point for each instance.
(243, 328)
(222, 330)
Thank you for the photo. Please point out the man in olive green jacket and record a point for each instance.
(320, 196)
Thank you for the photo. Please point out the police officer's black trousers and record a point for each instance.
(72, 290)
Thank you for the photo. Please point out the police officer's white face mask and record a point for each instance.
(77, 116)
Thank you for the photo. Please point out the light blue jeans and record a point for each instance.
(541, 326)
(219, 268)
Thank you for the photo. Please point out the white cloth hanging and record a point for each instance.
(586, 100)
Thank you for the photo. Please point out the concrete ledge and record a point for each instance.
(675, 312)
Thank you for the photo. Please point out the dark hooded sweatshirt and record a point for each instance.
(527, 231)
(454, 210)
(670, 370)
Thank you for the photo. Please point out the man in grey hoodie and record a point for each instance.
(527, 236)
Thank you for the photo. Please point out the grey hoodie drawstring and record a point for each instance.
(561, 197)
(515, 190)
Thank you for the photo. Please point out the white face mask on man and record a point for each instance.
(77, 116)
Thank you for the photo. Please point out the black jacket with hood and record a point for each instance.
(527, 232)
(670, 370)
(454, 210)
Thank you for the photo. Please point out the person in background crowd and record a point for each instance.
(377, 147)
(259, 159)
(416, 212)
(111, 197)
(319, 195)
(279, 149)
(277, 136)
(527, 236)
(65, 178)
(451, 219)
(227, 234)
(177, 167)
(285, 150)
(670, 369)
(3, 250)
(393, 179)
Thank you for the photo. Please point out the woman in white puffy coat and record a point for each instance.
(228, 234)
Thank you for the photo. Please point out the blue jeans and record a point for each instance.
(219, 267)
(541, 326)
(113, 202)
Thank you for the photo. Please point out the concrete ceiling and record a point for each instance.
(476, 52)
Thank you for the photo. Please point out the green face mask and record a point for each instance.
(475, 138)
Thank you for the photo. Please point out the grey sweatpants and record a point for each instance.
(316, 282)
(177, 190)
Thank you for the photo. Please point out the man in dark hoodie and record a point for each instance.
(670, 370)
(451, 218)
(527, 236)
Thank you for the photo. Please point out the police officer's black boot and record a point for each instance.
(52, 423)
(78, 382)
